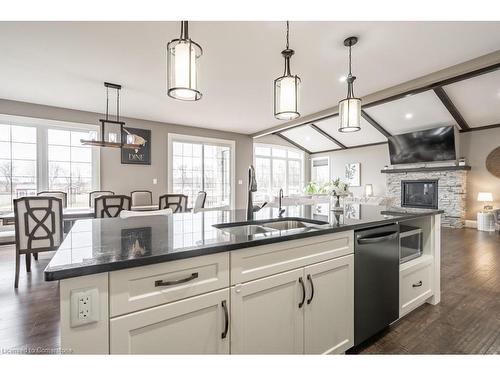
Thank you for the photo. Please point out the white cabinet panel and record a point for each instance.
(191, 326)
(329, 311)
(265, 315)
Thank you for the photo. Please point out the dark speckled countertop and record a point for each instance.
(102, 245)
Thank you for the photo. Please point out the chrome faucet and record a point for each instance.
(281, 210)
(252, 188)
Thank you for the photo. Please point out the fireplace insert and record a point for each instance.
(419, 193)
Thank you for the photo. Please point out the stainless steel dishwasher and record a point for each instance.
(376, 280)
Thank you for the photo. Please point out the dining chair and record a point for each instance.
(200, 200)
(38, 225)
(177, 202)
(141, 198)
(98, 193)
(124, 214)
(110, 205)
(56, 194)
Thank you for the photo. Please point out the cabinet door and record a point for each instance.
(329, 310)
(191, 326)
(265, 315)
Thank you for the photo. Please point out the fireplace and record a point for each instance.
(419, 193)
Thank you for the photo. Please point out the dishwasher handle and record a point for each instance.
(379, 237)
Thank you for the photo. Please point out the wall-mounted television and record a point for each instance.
(423, 146)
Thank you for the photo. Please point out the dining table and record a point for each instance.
(69, 214)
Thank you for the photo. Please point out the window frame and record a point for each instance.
(42, 147)
(286, 159)
(328, 165)
(175, 137)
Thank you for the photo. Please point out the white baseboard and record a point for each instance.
(471, 223)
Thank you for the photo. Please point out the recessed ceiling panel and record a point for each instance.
(368, 134)
(411, 113)
(310, 139)
(477, 99)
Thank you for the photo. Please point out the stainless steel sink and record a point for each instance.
(245, 230)
(264, 226)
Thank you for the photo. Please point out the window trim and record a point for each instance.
(42, 161)
(271, 157)
(175, 137)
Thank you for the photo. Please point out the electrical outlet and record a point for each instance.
(155, 181)
(84, 306)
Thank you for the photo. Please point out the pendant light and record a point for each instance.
(183, 56)
(132, 141)
(287, 88)
(350, 107)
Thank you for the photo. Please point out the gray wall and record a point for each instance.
(474, 146)
(372, 160)
(123, 178)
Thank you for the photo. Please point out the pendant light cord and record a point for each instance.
(350, 63)
(107, 102)
(287, 33)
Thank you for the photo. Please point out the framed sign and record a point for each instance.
(141, 155)
(352, 174)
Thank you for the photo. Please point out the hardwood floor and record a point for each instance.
(466, 321)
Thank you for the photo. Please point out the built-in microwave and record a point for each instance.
(410, 243)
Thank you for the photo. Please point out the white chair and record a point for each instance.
(200, 200)
(7, 235)
(124, 214)
(39, 227)
(141, 198)
(56, 194)
(111, 205)
(98, 193)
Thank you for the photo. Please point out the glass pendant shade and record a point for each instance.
(349, 115)
(286, 97)
(183, 57)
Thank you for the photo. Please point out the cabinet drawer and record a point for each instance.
(137, 288)
(415, 286)
(261, 261)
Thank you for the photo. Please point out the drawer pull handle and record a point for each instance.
(226, 319)
(193, 276)
(303, 292)
(417, 284)
(312, 289)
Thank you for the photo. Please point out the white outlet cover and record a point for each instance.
(155, 181)
(93, 314)
(240, 182)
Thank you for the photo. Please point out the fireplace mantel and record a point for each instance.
(428, 169)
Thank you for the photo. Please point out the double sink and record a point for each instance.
(263, 227)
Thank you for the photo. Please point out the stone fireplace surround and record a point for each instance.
(452, 185)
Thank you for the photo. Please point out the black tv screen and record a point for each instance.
(423, 146)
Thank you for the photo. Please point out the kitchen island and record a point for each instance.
(204, 283)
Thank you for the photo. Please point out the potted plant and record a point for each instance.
(336, 188)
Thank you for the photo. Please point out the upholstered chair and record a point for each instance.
(141, 198)
(56, 194)
(200, 200)
(110, 205)
(38, 224)
(98, 193)
(177, 202)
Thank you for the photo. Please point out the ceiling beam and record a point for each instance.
(486, 127)
(445, 99)
(349, 148)
(322, 132)
(375, 124)
(293, 143)
(469, 69)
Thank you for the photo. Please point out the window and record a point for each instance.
(278, 167)
(198, 164)
(320, 170)
(18, 163)
(38, 155)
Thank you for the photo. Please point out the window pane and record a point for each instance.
(279, 175)
(59, 153)
(81, 170)
(81, 154)
(294, 177)
(4, 133)
(23, 168)
(263, 175)
(23, 134)
(278, 152)
(59, 169)
(59, 137)
(262, 151)
(4, 150)
(76, 138)
(24, 151)
(294, 155)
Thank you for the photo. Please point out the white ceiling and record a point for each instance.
(368, 134)
(477, 99)
(64, 64)
(310, 139)
(424, 110)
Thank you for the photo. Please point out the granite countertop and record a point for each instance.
(102, 245)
